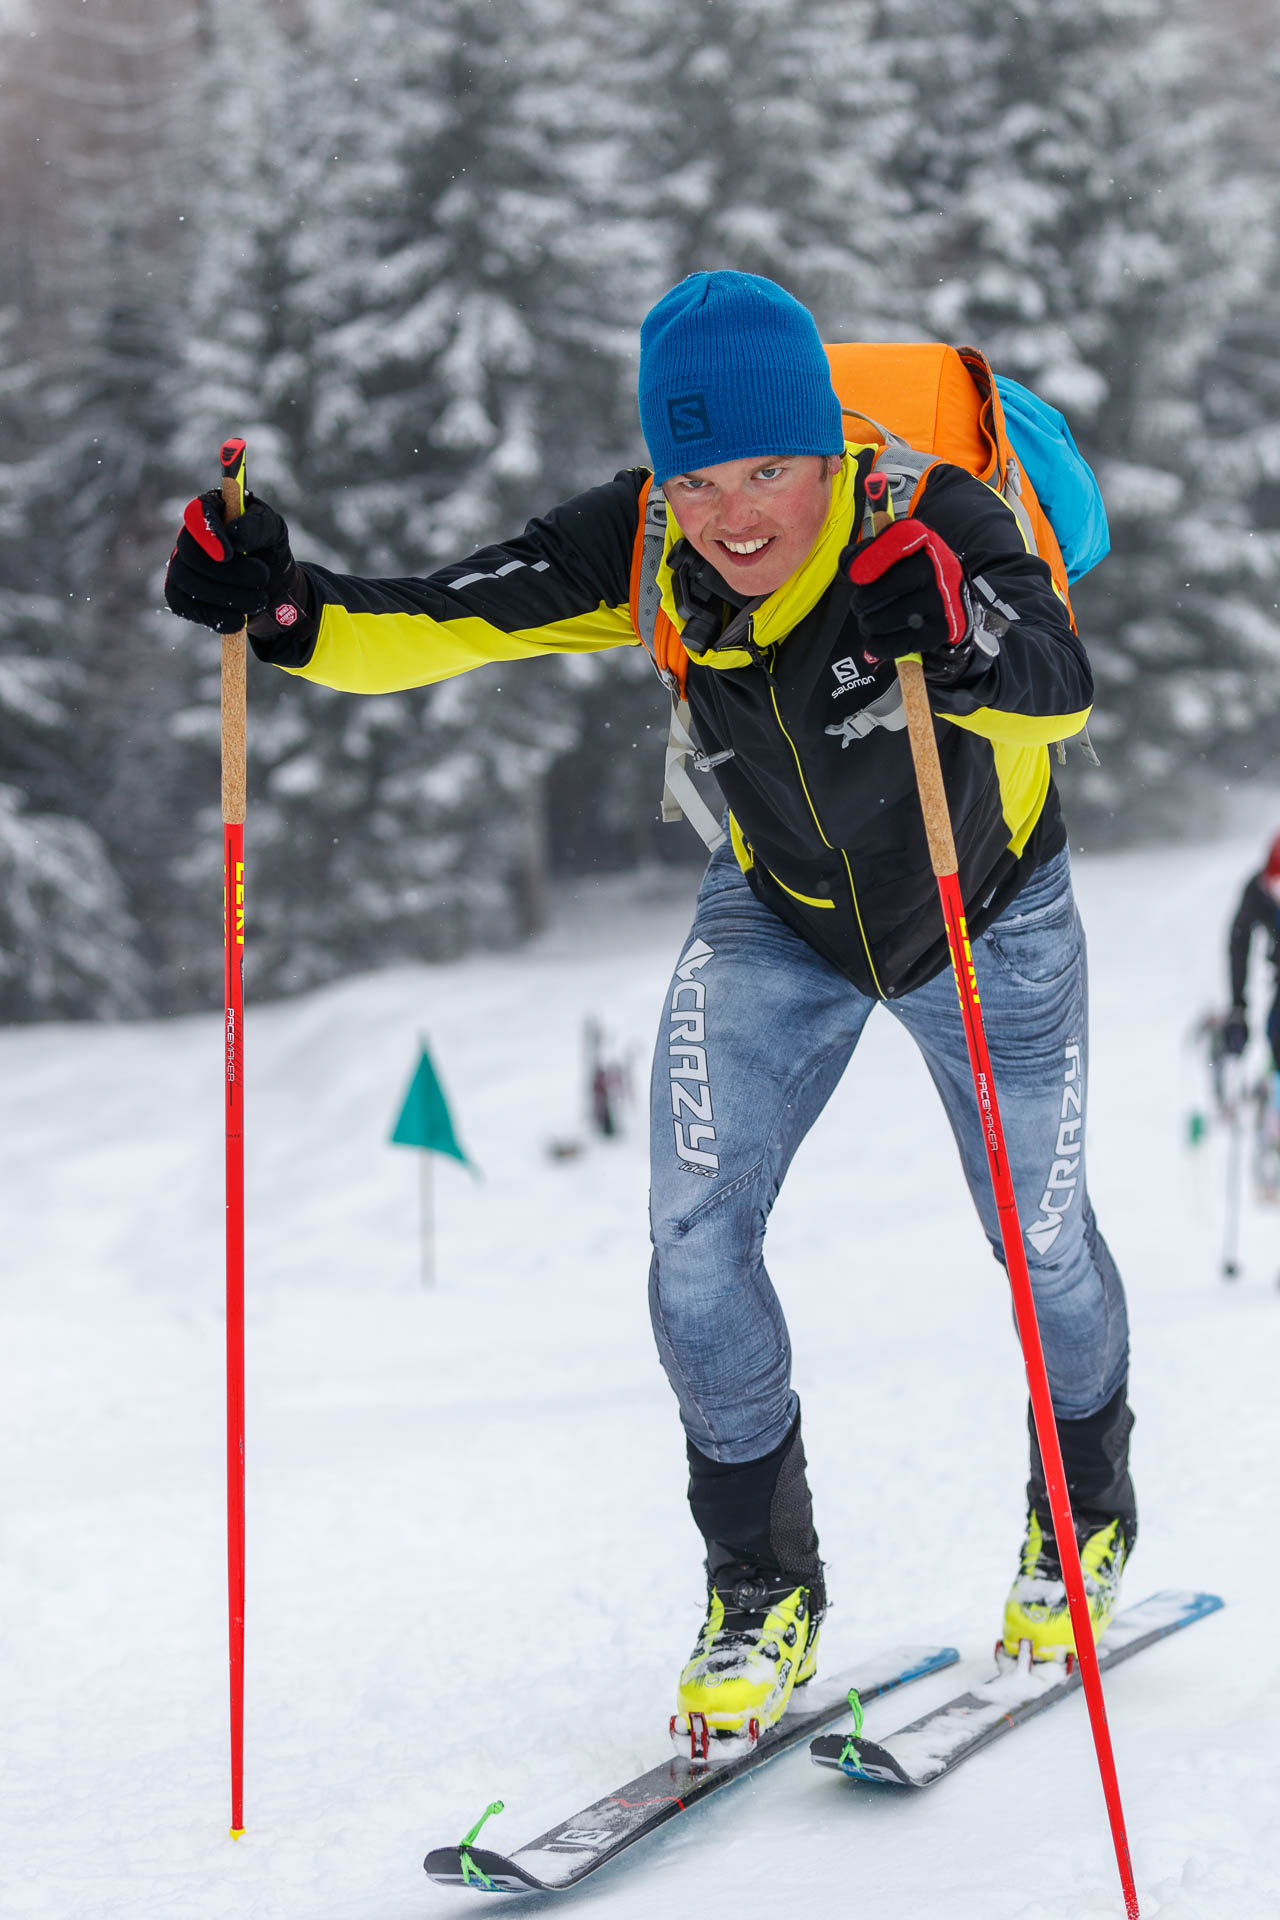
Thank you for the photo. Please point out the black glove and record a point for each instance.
(1235, 1032)
(908, 595)
(221, 573)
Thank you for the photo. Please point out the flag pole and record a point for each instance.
(234, 656)
(426, 1177)
(424, 1123)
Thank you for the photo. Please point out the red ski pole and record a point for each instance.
(942, 854)
(234, 651)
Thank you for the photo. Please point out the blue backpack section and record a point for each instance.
(1061, 476)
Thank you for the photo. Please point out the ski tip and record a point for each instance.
(479, 1869)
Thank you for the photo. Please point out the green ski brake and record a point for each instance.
(470, 1871)
(855, 1708)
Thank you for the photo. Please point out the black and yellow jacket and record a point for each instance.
(817, 772)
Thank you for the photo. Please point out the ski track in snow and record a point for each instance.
(450, 1490)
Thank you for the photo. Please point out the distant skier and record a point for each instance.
(820, 905)
(1259, 911)
(607, 1083)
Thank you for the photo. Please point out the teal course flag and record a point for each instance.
(424, 1118)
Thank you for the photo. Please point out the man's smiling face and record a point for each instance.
(756, 521)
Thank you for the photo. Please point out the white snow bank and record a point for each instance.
(471, 1571)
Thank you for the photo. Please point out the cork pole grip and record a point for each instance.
(924, 751)
(234, 659)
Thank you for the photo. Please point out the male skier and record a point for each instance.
(1259, 912)
(820, 906)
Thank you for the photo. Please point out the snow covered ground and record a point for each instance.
(471, 1571)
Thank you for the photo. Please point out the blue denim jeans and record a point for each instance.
(757, 1031)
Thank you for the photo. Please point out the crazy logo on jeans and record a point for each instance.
(690, 1085)
(1064, 1174)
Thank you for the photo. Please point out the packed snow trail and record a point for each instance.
(448, 1490)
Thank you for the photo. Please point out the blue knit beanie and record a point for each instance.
(731, 367)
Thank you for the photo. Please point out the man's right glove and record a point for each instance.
(908, 595)
(1235, 1032)
(223, 573)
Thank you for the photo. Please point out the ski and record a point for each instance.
(566, 1854)
(930, 1747)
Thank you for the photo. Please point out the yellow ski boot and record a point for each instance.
(1036, 1613)
(758, 1643)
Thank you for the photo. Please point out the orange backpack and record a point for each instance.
(924, 402)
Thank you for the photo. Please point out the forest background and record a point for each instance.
(405, 252)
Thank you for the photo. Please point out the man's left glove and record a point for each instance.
(222, 573)
(908, 595)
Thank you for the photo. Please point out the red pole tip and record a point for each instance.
(231, 455)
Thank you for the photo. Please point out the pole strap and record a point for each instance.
(235, 650)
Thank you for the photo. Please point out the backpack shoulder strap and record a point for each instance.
(646, 558)
(904, 467)
(659, 637)
(662, 642)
